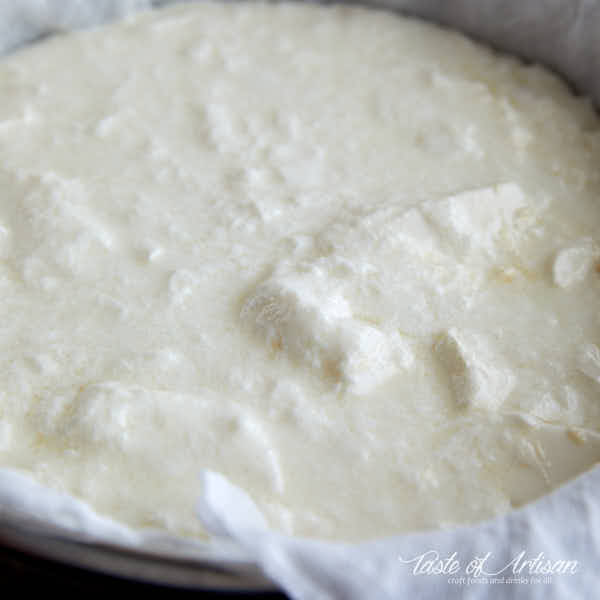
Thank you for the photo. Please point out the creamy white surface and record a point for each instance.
(347, 260)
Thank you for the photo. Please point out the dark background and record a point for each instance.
(25, 573)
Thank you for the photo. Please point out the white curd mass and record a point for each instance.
(349, 260)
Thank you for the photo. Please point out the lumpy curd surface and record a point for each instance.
(347, 259)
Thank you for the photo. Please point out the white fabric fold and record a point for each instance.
(561, 531)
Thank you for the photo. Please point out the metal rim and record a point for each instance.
(133, 563)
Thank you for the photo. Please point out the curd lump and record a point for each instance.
(349, 260)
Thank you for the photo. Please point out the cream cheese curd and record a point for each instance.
(349, 260)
